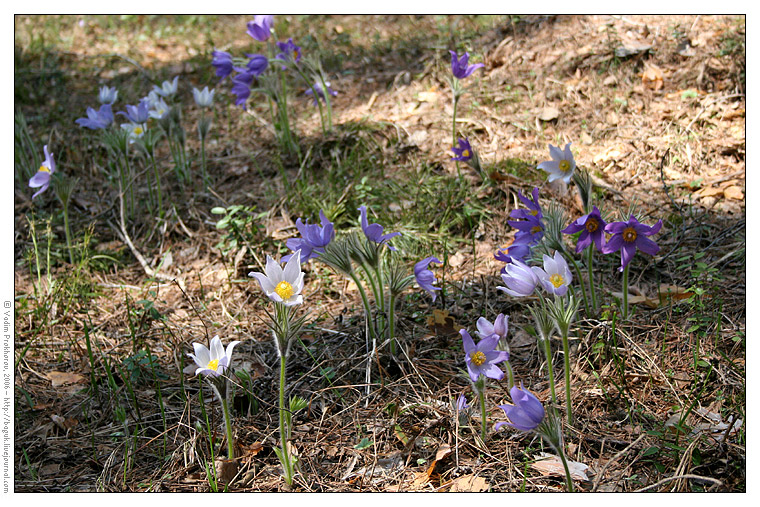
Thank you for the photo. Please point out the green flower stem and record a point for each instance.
(454, 129)
(568, 400)
(591, 286)
(228, 427)
(510, 375)
(625, 291)
(203, 162)
(568, 477)
(158, 184)
(580, 279)
(484, 422)
(315, 96)
(288, 472)
(365, 301)
(66, 230)
(550, 367)
(392, 323)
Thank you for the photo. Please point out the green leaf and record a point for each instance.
(363, 444)
(218, 210)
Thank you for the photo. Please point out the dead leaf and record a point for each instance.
(226, 469)
(552, 465)
(457, 259)
(652, 77)
(61, 378)
(64, 423)
(548, 114)
(733, 192)
(51, 469)
(441, 323)
(469, 483)
(443, 451)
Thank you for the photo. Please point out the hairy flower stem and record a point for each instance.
(203, 163)
(482, 399)
(454, 129)
(510, 375)
(66, 230)
(568, 399)
(316, 97)
(568, 477)
(367, 307)
(392, 323)
(158, 184)
(550, 367)
(591, 286)
(625, 291)
(286, 466)
(228, 427)
(580, 279)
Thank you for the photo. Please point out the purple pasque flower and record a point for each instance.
(592, 226)
(530, 231)
(44, 173)
(96, 120)
(463, 150)
(499, 327)
(167, 88)
(261, 27)
(555, 276)
(518, 250)
(374, 232)
(320, 94)
(519, 278)
(212, 361)
(241, 87)
(313, 238)
(482, 358)
(108, 95)
(526, 413)
(630, 235)
(534, 209)
(462, 403)
(562, 164)
(460, 67)
(425, 278)
(289, 52)
(256, 65)
(222, 61)
(138, 113)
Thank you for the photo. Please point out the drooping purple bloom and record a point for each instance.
(374, 232)
(463, 150)
(526, 413)
(630, 235)
(289, 52)
(425, 277)
(108, 95)
(138, 113)
(555, 276)
(44, 173)
(518, 250)
(534, 209)
(499, 327)
(530, 231)
(482, 358)
(592, 226)
(222, 61)
(241, 87)
(519, 279)
(256, 65)
(460, 67)
(99, 119)
(320, 93)
(562, 164)
(462, 403)
(313, 238)
(261, 27)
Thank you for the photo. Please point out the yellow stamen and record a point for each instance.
(564, 165)
(535, 229)
(592, 225)
(534, 212)
(138, 131)
(284, 290)
(478, 358)
(465, 153)
(44, 169)
(213, 364)
(629, 235)
(557, 280)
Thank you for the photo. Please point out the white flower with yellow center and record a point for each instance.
(556, 276)
(282, 285)
(562, 165)
(211, 362)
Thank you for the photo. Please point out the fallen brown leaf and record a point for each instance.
(61, 378)
(552, 465)
(469, 483)
(733, 192)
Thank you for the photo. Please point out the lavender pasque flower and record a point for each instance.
(463, 150)
(241, 87)
(526, 413)
(96, 120)
(425, 278)
(519, 278)
(261, 27)
(211, 361)
(256, 65)
(44, 173)
(374, 232)
(592, 226)
(460, 67)
(222, 62)
(138, 113)
(562, 164)
(630, 235)
(313, 238)
(483, 358)
(555, 276)
(534, 208)
(289, 52)
(282, 285)
(499, 327)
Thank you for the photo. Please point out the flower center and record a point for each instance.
(138, 131)
(465, 153)
(284, 290)
(44, 169)
(557, 280)
(478, 358)
(213, 364)
(535, 229)
(564, 165)
(592, 225)
(629, 235)
(534, 212)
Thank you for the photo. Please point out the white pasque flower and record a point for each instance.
(203, 98)
(562, 164)
(282, 285)
(211, 362)
(556, 276)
